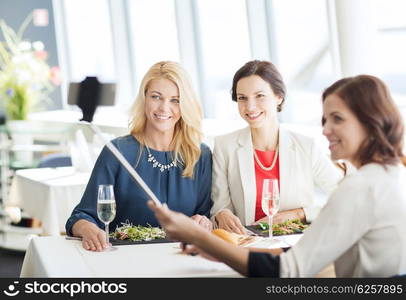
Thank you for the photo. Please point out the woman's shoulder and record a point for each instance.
(205, 152)
(205, 158)
(205, 149)
(372, 184)
(126, 144)
(374, 173)
(125, 140)
(231, 137)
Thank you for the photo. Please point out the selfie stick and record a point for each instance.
(90, 89)
(125, 163)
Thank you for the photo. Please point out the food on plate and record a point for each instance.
(234, 238)
(287, 227)
(137, 233)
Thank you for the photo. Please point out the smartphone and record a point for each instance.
(107, 93)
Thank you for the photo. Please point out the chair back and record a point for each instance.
(55, 160)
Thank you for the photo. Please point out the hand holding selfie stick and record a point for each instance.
(88, 100)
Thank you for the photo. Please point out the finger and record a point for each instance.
(238, 227)
(183, 246)
(91, 245)
(101, 237)
(232, 229)
(156, 208)
(197, 218)
(228, 227)
(207, 225)
(202, 220)
(203, 223)
(190, 250)
(85, 245)
(237, 230)
(97, 244)
(159, 211)
(241, 229)
(152, 205)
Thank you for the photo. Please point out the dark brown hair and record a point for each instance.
(267, 71)
(369, 99)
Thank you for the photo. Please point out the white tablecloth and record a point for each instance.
(58, 257)
(48, 194)
(54, 256)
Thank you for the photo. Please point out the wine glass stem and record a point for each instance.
(270, 217)
(106, 228)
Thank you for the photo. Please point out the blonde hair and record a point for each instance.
(187, 135)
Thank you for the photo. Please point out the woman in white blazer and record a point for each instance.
(362, 227)
(242, 159)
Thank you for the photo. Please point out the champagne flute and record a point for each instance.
(270, 200)
(106, 208)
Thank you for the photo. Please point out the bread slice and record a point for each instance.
(234, 238)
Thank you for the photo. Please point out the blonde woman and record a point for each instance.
(165, 147)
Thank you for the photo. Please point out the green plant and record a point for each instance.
(26, 80)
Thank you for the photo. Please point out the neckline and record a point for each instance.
(262, 151)
(151, 149)
(273, 163)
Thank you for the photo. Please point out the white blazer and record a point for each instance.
(301, 165)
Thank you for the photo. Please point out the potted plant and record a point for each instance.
(26, 79)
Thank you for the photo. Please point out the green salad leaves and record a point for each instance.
(287, 227)
(137, 233)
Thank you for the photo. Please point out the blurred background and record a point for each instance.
(311, 42)
(47, 44)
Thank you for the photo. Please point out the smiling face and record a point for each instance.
(162, 108)
(343, 130)
(257, 103)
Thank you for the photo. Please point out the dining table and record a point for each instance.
(57, 256)
(61, 256)
(48, 194)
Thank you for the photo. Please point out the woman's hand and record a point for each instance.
(93, 238)
(177, 226)
(203, 221)
(291, 214)
(228, 221)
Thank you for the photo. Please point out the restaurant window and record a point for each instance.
(302, 56)
(89, 36)
(389, 17)
(225, 47)
(154, 32)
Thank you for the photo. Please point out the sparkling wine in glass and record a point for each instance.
(270, 200)
(106, 207)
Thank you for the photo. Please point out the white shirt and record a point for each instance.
(362, 228)
(302, 166)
